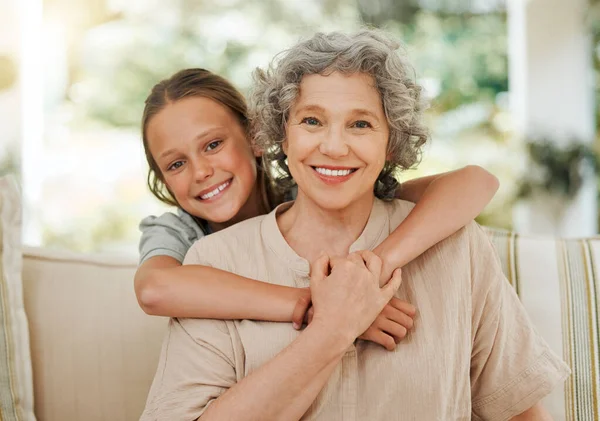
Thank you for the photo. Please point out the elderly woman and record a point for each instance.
(340, 114)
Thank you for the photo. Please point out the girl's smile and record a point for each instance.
(205, 159)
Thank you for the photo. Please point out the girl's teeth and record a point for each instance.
(333, 173)
(215, 191)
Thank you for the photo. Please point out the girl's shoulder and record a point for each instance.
(169, 234)
(179, 221)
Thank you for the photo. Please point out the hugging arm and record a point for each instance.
(444, 203)
(166, 288)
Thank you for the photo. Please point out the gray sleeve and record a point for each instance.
(168, 235)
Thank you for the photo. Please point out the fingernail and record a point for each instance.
(296, 326)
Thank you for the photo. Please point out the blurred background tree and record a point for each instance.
(117, 50)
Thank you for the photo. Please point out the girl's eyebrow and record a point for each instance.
(208, 132)
(167, 153)
(199, 136)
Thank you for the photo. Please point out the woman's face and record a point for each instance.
(204, 157)
(337, 136)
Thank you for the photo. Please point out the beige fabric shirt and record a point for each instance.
(472, 354)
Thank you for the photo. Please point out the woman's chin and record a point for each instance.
(335, 202)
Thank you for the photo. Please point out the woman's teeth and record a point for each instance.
(215, 191)
(333, 173)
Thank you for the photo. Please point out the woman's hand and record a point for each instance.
(348, 299)
(388, 329)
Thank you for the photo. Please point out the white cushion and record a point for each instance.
(558, 283)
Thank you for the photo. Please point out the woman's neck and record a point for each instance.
(255, 205)
(310, 229)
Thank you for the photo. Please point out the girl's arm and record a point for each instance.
(166, 288)
(444, 203)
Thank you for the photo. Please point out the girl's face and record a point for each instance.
(205, 159)
(337, 136)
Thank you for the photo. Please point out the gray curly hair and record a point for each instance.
(368, 51)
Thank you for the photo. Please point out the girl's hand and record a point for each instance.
(392, 324)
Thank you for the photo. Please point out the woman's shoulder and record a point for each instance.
(224, 248)
(233, 235)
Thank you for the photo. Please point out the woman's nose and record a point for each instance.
(334, 144)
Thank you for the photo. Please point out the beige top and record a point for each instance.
(473, 353)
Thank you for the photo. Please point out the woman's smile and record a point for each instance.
(334, 174)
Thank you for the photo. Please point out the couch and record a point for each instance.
(94, 352)
(74, 344)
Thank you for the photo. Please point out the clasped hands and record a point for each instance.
(355, 295)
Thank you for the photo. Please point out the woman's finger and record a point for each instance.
(392, 286)
(309, 315)
(319, 268)
(356, 258)
(300, 310)
(373, 263)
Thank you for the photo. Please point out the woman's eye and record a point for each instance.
(213, 145)
(362, 124)
(311, 121)
(175, 165)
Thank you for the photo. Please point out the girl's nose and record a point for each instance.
(202, 170)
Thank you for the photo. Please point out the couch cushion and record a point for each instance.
(16, 389)
(95, 352)
(558, 282)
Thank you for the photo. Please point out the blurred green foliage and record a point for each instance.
(465, 55)
(557, 170)
(593, 21)
(117, 58)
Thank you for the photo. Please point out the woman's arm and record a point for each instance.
(346, 302)
(444, 203)
(166, 288)
(535, 413)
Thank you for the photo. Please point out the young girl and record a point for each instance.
(195, 134)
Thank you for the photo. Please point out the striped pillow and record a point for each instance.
(16, 385)
(557, 282)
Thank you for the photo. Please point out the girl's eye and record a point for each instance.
(213, 145)
(175, 165)
(362, 124)
(311, 121)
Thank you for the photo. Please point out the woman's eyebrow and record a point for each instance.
(365, 112)
(309, 108)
